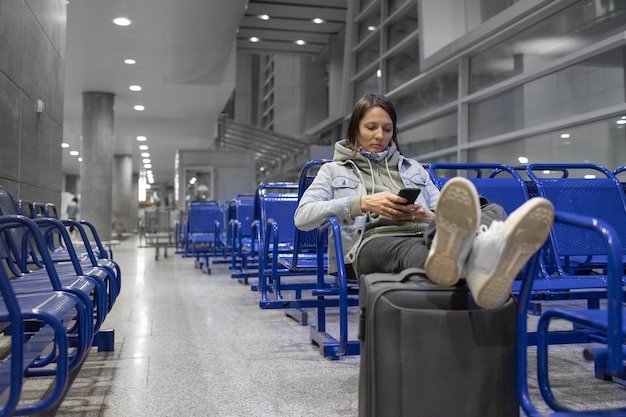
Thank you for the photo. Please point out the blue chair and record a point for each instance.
(29, 352)
(301, 261)
(342, 292)
(65, 255)
(344, 296)
(578, 258)
(276, 204)
(48, 282)
(240, 237)
(205, 221)
(607, 325)
(20, 245)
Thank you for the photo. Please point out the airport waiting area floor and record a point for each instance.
(192, 344)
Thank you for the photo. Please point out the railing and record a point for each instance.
(278, 157)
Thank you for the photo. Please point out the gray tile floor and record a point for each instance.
(192, 344)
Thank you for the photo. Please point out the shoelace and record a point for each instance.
(493, 227)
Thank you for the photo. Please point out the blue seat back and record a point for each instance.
(577, 192)
(244, 213)
(202, 216)
(16, 245)
(278, 201)
(25, 208)
(498, 183)
(39, 210)
(307, 241)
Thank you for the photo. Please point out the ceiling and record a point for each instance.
(185, 52)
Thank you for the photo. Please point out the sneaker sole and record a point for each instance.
(454, 225)
(528, 234)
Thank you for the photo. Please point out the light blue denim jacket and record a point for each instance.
(336, 192)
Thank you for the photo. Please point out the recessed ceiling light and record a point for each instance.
(139, 107)
(146, 161)
(141, 138)
(254, 39)
(300, 42)
(134, 88)
(130, 61)
(264, 17)
(80, 159)
(318, 21)
(65, 145)
(122, 21)
(522, 160)
(371, 28)
(143, 147)
(145, 154)
(564, 135)
(147, 166)
(73, 153)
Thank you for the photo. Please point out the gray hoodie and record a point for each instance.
(337, 189)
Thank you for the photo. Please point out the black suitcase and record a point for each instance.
(428, 351)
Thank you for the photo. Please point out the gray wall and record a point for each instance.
(32, 68)
(233, 172)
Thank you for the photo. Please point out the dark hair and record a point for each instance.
(362, 106)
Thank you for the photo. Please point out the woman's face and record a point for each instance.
(375, 130)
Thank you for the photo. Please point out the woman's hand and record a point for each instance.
(393, 206)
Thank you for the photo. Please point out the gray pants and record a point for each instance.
(396, 253)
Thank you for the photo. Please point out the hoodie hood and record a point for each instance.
(377, 175)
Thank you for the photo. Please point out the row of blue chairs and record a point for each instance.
(201, 234)
(574, 259)
(55, 295)
(582, 259)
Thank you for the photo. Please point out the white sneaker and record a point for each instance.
(458, 213)
(500, 251)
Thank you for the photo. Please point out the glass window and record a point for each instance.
(429, 93)
(600, 142)
(400, 29)
(581, 88)
(402, 67)
(368, 54)
(367, 85)
(577, 26)
(490, 8)
(368, 25)
(429, 137)
(365, 3)
(393, 5)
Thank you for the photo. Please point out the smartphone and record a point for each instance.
(410, 194)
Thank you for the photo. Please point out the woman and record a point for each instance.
(381, 233)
